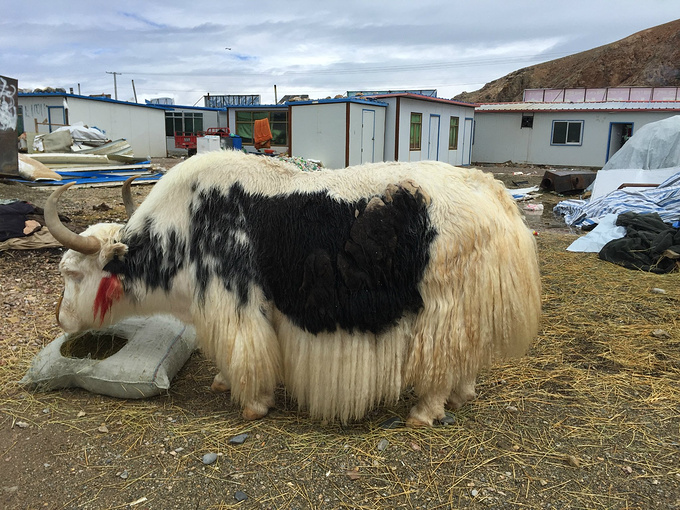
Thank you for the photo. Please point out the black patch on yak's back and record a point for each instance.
(324, 263)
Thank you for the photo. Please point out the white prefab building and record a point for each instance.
(427, 128)
(142, 125)
(568, 127)
(190, 119)
(338, 132)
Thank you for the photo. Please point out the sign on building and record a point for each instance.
(9, 112)
(231, 100)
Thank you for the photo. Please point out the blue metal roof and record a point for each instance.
(90, 98)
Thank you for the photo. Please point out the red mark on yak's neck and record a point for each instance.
(110, 290)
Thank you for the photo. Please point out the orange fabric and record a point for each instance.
(262, 133)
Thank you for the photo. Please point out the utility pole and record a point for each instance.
(115, 86)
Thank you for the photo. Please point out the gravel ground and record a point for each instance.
(573, 424)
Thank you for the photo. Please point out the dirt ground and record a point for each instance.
(589, 418)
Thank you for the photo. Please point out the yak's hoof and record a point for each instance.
(254, 413)
(416, 423)
(219, 386)
(220, 383)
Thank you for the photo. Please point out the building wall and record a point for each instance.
(318, 132)
(37, 111)
(142, 127)
(499, 137)
(231, 124)
(358, 134)
(211, 118)
(427, 109)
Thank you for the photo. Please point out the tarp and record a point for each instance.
(664, 200)
(650, 156)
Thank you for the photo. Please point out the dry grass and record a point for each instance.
(589, 418)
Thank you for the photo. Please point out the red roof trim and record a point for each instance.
(426, 98)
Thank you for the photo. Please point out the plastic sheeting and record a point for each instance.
(650, 156)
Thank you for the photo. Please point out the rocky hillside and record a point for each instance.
(650, 58)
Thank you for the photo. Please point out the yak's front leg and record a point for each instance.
(246, 350)
(430, 407)
(220, 383)
(461, 394)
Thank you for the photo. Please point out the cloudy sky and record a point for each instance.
(184, 49)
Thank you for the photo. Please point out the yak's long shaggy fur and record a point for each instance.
(439, 257)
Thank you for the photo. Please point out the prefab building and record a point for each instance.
(142, 125)
(427, 128)
(338, 132)
(567, 127)
(241, 122)
(190, 119)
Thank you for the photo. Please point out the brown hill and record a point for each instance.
(650, 58)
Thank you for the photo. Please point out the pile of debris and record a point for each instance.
(79, 154)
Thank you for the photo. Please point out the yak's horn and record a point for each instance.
(129, 202)
(83, 244)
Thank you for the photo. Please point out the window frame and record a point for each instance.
(183, 120)
(566, 142)
(453, 132)
(279, 127)
(415, 128)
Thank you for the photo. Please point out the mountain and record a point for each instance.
(650, 58)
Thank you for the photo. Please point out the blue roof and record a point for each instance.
(102, 99)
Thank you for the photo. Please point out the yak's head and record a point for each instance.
(92, 297)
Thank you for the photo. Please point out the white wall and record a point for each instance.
(500, 138)
(427, 108)
(318, 132)
(143, 127)
(36, 109)
(356, 133)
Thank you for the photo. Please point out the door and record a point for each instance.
(56, 117)
(619, 133)
(433, 138)
(467, 141)
(367, 136)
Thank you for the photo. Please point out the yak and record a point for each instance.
(346, 286)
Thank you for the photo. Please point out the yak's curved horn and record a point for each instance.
(83, 244)
(129, 202)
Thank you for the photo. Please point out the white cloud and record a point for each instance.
(177, 49)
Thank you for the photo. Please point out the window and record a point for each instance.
(567, 132)
(278, 123)
(183, 122)
(416, 131)
(527, 120)
(453, 134)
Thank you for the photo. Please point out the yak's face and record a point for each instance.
(90, 292)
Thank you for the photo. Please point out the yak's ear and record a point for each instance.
(111, 251)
